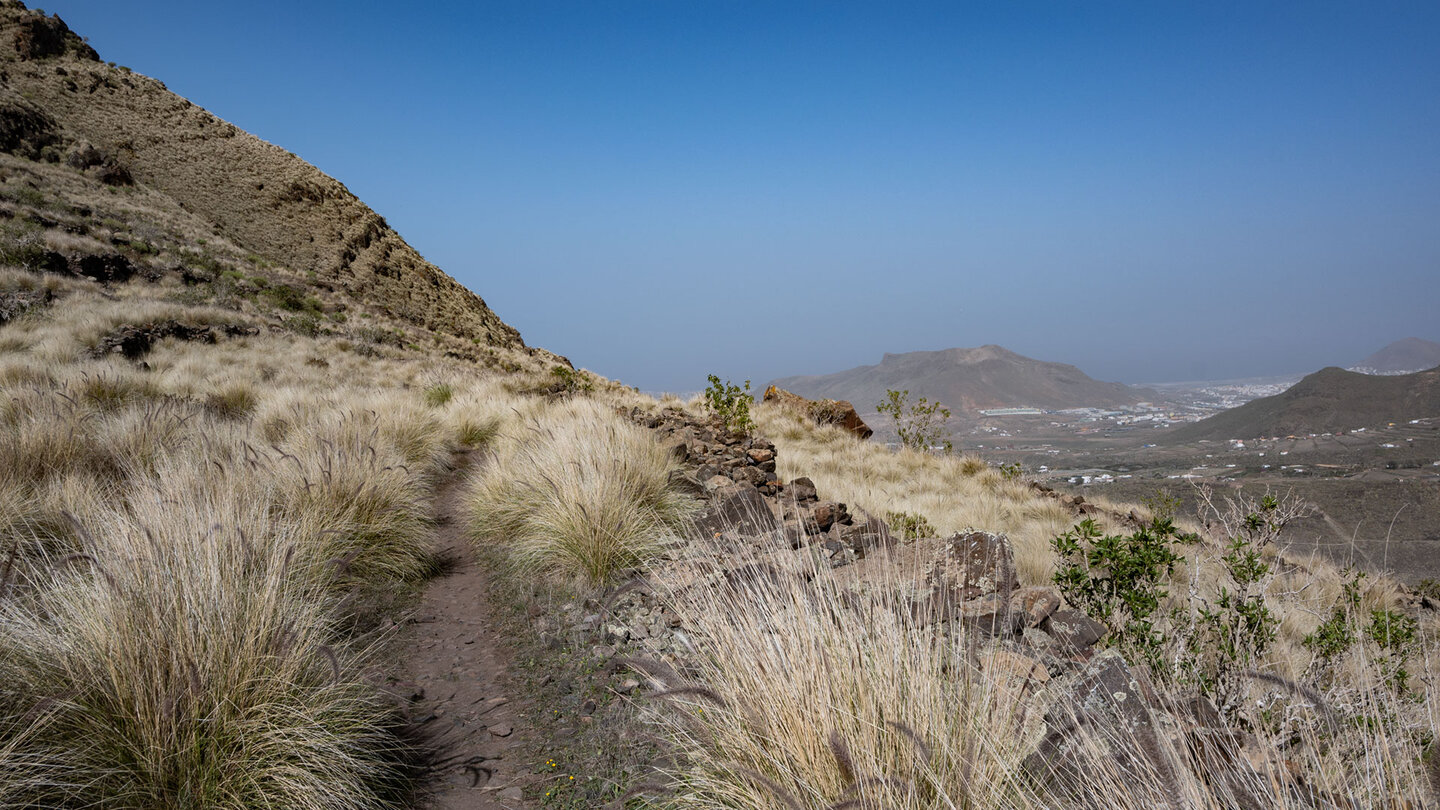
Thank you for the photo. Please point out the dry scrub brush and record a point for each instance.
(182, 614)
(801, 692)
(804, 694)
(577, 492)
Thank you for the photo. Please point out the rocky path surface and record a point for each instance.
(455, 675)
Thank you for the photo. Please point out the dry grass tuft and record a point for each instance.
(578, 493)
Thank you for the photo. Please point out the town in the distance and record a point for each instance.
(1362, 444)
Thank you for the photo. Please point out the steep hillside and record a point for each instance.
(968, 380)
(1327, 401)
(63, 106)
(1402, 357)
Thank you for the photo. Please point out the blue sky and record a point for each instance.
(663, 189)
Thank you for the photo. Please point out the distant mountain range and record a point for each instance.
(967, 381)
(1327, 401)
(1402, 357)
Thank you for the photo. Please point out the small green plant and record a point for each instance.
(910, 525)
(1012, 471)
(731, 403)
(920, 425)
(1396, 635)
(439, 394)
(1119, 580)
(1162, 504)
(306, 323)
(1226, 640)
(1335, 635)
(571, 381)
(290, 298)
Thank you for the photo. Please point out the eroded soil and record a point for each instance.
(455, 675)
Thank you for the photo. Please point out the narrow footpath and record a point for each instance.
(453, 673)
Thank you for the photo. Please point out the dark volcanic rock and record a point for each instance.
(133, 342)
(737, 509)
(975, 564)
(1105, 721)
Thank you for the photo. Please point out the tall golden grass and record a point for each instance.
(807, 691)
(186, 551)
(578, 492)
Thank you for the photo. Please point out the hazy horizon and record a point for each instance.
(661, 191)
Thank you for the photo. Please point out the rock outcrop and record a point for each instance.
(821, 411)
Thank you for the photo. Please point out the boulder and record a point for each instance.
(829, 513)
(820, 411)
(750, 476)
(1104, 722)
(866, 533)
(974, 564)
(1073, 631)
(737, 509)
(1035, 604)
(990, 616)
(803, 490)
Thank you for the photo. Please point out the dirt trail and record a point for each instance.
(454, 674)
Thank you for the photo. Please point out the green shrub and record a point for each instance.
(1119, 580)
(731, 404)
(920, 425)
(910, 525)
(291, 299)
(572, 381)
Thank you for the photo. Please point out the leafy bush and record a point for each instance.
(920, 425)
(292, 299)
(731, 403)
(1119, 580)
(1394, 635)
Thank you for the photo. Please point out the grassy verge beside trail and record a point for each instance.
(578, 492)
(199, 560)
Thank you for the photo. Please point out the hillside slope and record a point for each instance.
(967, 380)
(1328, 401)
(61, 104)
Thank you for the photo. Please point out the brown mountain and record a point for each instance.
(968, 380)
(1402, 356)
(60, 105)
(1330, 400)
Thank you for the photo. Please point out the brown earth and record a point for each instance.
(455, 673)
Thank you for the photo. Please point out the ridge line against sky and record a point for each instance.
(664, 190)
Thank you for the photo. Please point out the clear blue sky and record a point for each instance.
(662, 189)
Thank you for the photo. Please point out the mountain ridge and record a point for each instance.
(968, 380)
(1402, 357)
(1330, 400)
(259, 195)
